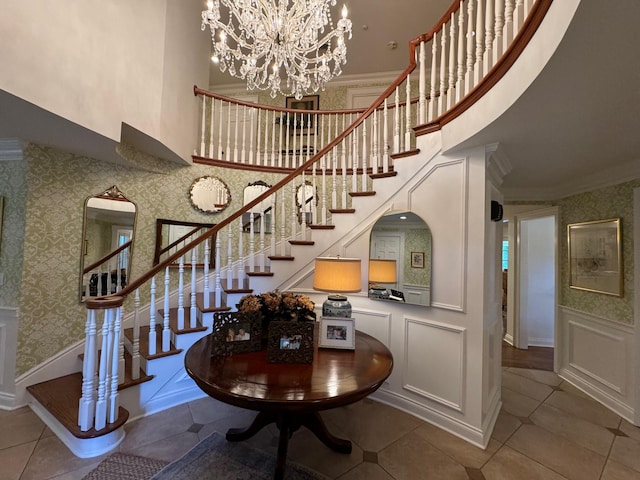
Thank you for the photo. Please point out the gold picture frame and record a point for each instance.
(595, 256)
(417, 259)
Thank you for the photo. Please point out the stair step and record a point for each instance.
(281, 258)
(302, 242)
(144, 343)
(212, 301)
(406, 153)
(258, 273)
(362, 194)
(173, 321)
(321, 227)
(128, 381)
(383, 175)
(342, 210)
(60, 396)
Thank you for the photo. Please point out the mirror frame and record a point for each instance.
(205, 192)
(160, 249)
(113, 194)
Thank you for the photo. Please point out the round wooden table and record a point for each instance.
(291, 395)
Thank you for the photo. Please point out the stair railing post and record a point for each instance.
(135, 353)
(181, 293)
(193, 310)
(166, 332)
(86, 407)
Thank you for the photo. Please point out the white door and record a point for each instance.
(388, 247)
(535, 278)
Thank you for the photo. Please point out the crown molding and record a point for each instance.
(498, 163)
(613, 175)
(11, 149)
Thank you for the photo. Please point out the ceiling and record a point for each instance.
(376, 24)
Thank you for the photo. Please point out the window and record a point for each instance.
(505, 255)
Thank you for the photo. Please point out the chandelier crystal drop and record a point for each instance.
(261, 40)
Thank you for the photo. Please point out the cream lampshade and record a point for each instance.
(382, 270)
(339, 275)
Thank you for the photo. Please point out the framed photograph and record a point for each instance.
(235, 332)
(303, 123)
(595, 256)
(337, 332)
(290, 342)
(417, 259)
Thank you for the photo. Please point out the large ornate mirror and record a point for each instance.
(400, 259)
(107, 243)
(209, 194)
(260, 217)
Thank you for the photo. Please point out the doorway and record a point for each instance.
(532, 282)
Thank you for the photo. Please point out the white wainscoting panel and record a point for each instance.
(434, 364)
(598, 358)
(374, 323)
(8, 342)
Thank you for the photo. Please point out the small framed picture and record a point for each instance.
(337, 332)
(417, 259)
(235, 332)
(290, 342)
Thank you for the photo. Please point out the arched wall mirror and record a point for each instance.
(260, 216)
(306, 200)
(107, 243)
(209, 194)
(400, 259)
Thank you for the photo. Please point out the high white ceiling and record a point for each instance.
(376, 23)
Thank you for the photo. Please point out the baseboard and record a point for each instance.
(473, 435)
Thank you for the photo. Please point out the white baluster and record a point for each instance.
(385, 139)
(180, 293)
(469, 35)
(518, 16)
(152, 318)
(343, 164)
(265, 154)
(105, 356)
(235, 134)
(422, 83)
(354, 161)
(166, 332)
(135, 344)
(507, 28)
(202, 128)
(252, 246)
(258, 137)
(407, 112)
(244, 135)
(499, 25)
(443, 70)
(193, 311)
(375, 149)
(86, 405)
(324, 174)
(252, 126)
(218, 284)
(116, 366)
(283, 216)
(396, 122)
(206, 288)
(220, 139)
(364, 155)
(434, 70)
(478, 71)
(294, 215)
(487, 56)
(273, 139)
(211, 124)
(262, 228)
(280, 140)
(229, 156)
(334, 170)
(460, 83)
(451, 84)
(230, 269)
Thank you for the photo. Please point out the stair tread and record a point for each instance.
(60, 396)
(406, 153)
(212, 301)
(342, 210)
(144, 342)
(383, 175)
(129, 381)
(258, 273)
(281, 257)
(322, 227)
(302, 242)
(362, 194)
(173, 321)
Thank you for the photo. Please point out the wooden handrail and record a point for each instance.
(107, 257)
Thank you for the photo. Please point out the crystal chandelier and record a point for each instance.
(260, 40)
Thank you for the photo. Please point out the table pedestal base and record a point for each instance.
(288, 423)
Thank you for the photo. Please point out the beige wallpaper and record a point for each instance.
(13, 187)
(611, 202)
(51, 317)
(417, 240)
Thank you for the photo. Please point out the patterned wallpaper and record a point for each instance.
(417, 240)
(51, 317)
(602, 204)
(13, 187)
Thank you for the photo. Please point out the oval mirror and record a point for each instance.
(107, 242)
(400, 259)
(209, 194)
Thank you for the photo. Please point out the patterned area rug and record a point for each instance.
(213, 458)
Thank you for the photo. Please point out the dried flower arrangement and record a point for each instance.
(279, 306)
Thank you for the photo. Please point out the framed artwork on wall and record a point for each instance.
(417, 259)
(595, 256)
(303, 123)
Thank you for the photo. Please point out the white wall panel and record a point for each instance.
(597, 356)
(434, 361)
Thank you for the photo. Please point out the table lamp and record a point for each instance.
(381, 271)
(337, 275)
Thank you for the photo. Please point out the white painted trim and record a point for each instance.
(9, 318)
(636, 304)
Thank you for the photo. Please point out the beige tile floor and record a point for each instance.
(547, 429)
